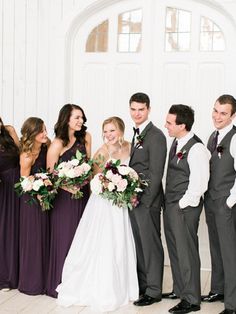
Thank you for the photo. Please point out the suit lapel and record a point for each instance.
(144, 133)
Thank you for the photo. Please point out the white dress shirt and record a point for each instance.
(231, 200)
(198, 161)
(141, 128)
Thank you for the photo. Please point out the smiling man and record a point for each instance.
(148, 154)
(220, 204)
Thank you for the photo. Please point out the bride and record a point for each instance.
(100, 268)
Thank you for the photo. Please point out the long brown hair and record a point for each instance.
(61, 126)
(6, 141)
(30, 129)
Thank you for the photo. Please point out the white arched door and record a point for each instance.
(178, 51)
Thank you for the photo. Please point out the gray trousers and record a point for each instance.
(221, 221)
(150, 256)
(181, 228)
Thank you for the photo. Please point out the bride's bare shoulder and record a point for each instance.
(127, 146)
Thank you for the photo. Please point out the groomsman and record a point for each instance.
(220, 204)
(186, 182)
(148, 155)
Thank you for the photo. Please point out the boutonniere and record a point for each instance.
(181, 154)
(219, 150)
(139, 141)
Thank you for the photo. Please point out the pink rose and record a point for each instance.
(121, 185)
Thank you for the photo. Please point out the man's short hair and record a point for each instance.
(228, 99)
(140, 97)
(184, 115)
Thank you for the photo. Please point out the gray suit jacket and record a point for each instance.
(148, 159)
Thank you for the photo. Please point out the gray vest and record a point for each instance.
(222, 172)
(178, 172)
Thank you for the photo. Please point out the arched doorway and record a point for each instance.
(177, 51)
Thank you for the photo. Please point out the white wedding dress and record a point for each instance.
(100, 268)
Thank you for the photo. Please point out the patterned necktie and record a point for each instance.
(173, 149)
(136, 131)
(214, 142)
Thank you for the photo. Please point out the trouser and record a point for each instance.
(222, 236)
(150, 256)
(181, 228)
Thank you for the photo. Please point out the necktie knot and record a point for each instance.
(173, 149)
(214, 142)
(136, 131)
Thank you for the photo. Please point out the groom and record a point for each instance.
(148, 155)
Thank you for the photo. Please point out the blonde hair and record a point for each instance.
(118, 122)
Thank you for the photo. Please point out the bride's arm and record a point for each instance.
(99, 158)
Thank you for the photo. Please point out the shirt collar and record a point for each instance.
(225, 130)
(183, 140)
(143, 126)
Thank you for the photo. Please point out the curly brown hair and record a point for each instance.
(30, 129)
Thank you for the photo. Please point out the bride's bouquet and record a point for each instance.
(73, 174)
(39, 187)
(118, 183)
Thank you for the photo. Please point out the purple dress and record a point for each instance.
(34, 240)
(65, 217)
(9, 220)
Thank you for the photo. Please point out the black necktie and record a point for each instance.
(214, 142)
(173, 149)
(136, 131)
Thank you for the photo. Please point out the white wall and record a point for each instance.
(35, 64)
(33, 34)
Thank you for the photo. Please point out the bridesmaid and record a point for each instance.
(71, 135)
(34, 223)
(9, 209)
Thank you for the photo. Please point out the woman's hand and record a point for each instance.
(71, 189)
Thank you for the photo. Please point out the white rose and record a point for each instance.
(61, 173)
(133, 174)
(27, 184)
(70, 173)
(37, 184)
(124, 170)
(116, 178)
(122, 184)
(78, 171)
(74, 162)
(111, 186)
(85, 167)
(109, 174)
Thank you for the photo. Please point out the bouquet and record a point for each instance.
(39, 187)
(119, 184)
(73, 174)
